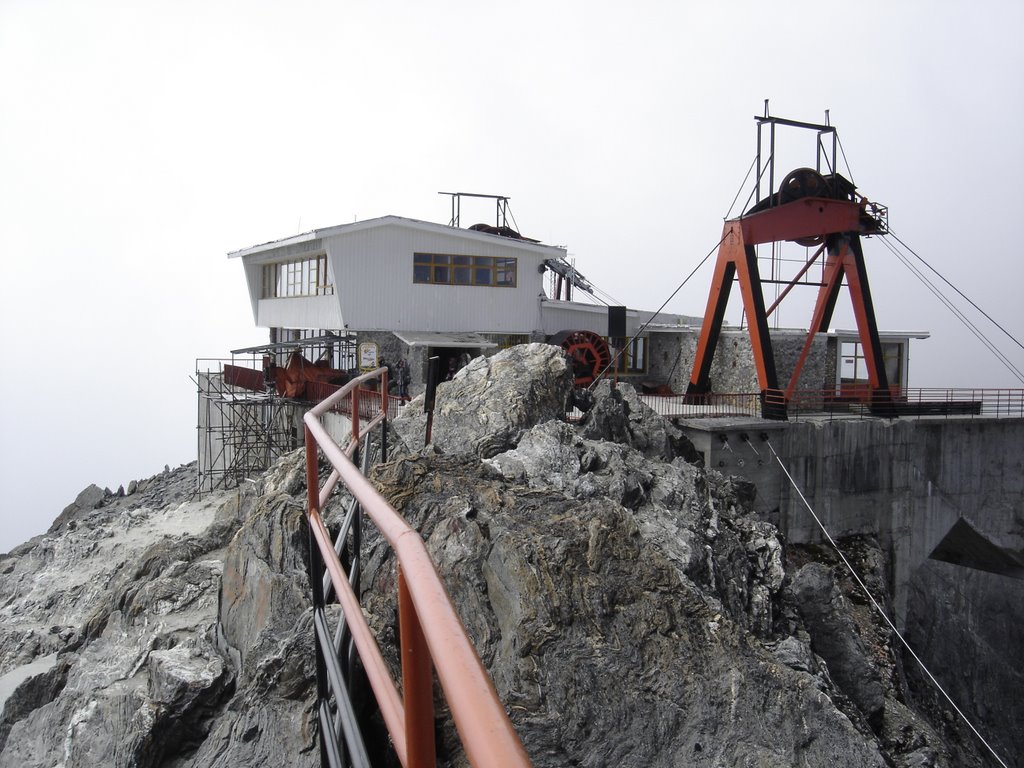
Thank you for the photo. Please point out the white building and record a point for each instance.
(414, 289)
(418, 289)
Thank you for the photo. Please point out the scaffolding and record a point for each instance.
(240, 432)
(243, 425)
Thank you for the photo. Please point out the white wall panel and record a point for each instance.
(300, 312)
(373, 272)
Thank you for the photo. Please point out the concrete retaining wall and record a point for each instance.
(906, 481)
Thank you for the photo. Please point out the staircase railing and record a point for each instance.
(432, 636)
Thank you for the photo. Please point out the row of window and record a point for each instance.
(450, 269)
(309, 277)
(302, 277)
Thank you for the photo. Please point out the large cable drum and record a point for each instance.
(588, 354)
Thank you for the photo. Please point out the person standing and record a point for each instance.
(402, 378)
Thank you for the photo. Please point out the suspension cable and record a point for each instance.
(978, 333)
(742, 184)
(959, 314)
(945, 300)
(878, 608)
(964, 297)
(614, 361)
(845, 161)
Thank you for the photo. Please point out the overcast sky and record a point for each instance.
(142, 141)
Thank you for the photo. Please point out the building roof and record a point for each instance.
(427, 226)
(883, 335)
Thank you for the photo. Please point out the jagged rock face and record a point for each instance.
(605, 650)
(618, 415)
(176, 635)
(631, 608)
(489, 404)
(835, 637)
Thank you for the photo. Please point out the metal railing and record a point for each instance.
(913, 403)
(432, 636)
(708, 405)
(910, 403)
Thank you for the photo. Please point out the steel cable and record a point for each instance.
(611, 365)
(961, 293)
(978, 333)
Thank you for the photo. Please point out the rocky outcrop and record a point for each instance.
(178, 633)
(604, 649)
(632, 608)
(835, 637)
(634, 611)
(489, 404)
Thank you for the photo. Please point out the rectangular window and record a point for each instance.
(634, 358)
(448, 269)
(302, 277)
(854, 366)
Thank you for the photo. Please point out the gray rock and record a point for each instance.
(135, 607)
(835, 638)
(631, 607)
(87, 500)
(605, 651)
(619, 415)
(490, 403)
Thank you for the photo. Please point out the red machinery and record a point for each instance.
(588, 352)
(810, 208)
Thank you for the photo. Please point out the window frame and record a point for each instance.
(634, 360)
(296, 278)
(465, 270)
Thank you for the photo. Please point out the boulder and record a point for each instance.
(490, 403)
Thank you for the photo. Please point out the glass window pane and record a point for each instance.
(481, 276)
(421, 258)
(460, 259)
(440, 274)
(462, 275)
(420, 273)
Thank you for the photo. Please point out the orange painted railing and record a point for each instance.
(432, 635)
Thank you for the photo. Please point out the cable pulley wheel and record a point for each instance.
(804, 182)
(588, 354)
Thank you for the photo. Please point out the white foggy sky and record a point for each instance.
(142, 141)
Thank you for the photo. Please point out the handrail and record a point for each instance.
(848, 402)
(430, 628)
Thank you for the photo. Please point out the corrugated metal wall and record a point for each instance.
(373, 272)
(300, 312)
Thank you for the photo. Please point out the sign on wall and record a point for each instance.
(369, 355)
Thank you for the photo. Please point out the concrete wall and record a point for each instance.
(906, 481)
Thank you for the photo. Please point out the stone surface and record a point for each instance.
(630, 606)
(180, 631)
(605, 649)
(835, 638)
(489, 404)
